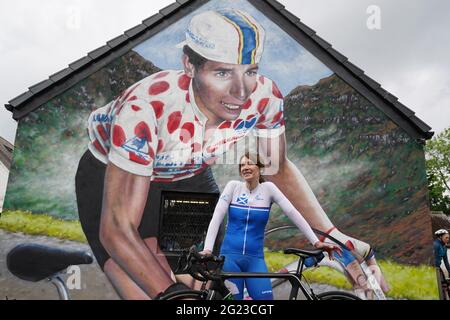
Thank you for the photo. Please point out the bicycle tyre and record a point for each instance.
(185, 295)
(337, 295)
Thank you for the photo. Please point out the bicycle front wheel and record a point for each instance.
(337, 295)
(185, 295)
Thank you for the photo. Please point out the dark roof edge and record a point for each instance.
(96, 59)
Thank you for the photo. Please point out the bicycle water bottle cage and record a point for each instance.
(34, 262)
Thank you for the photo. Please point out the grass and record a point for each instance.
(41, 224)
(406, 282)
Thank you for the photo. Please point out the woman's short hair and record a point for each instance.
(255, 158)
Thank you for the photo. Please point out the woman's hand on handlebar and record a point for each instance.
(329, 248)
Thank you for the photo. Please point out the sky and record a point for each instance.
(402, 44)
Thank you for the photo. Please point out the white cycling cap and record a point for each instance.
(228, 36)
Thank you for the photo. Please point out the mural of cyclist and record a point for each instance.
(248, 206)
(165, 131)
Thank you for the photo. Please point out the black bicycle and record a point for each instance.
(208, 269)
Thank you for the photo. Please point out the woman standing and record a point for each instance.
(248, 205)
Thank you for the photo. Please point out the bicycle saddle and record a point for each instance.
(303, 252)
(34, 262)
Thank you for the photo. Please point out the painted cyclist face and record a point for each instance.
(249, 170)
(221, 89)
